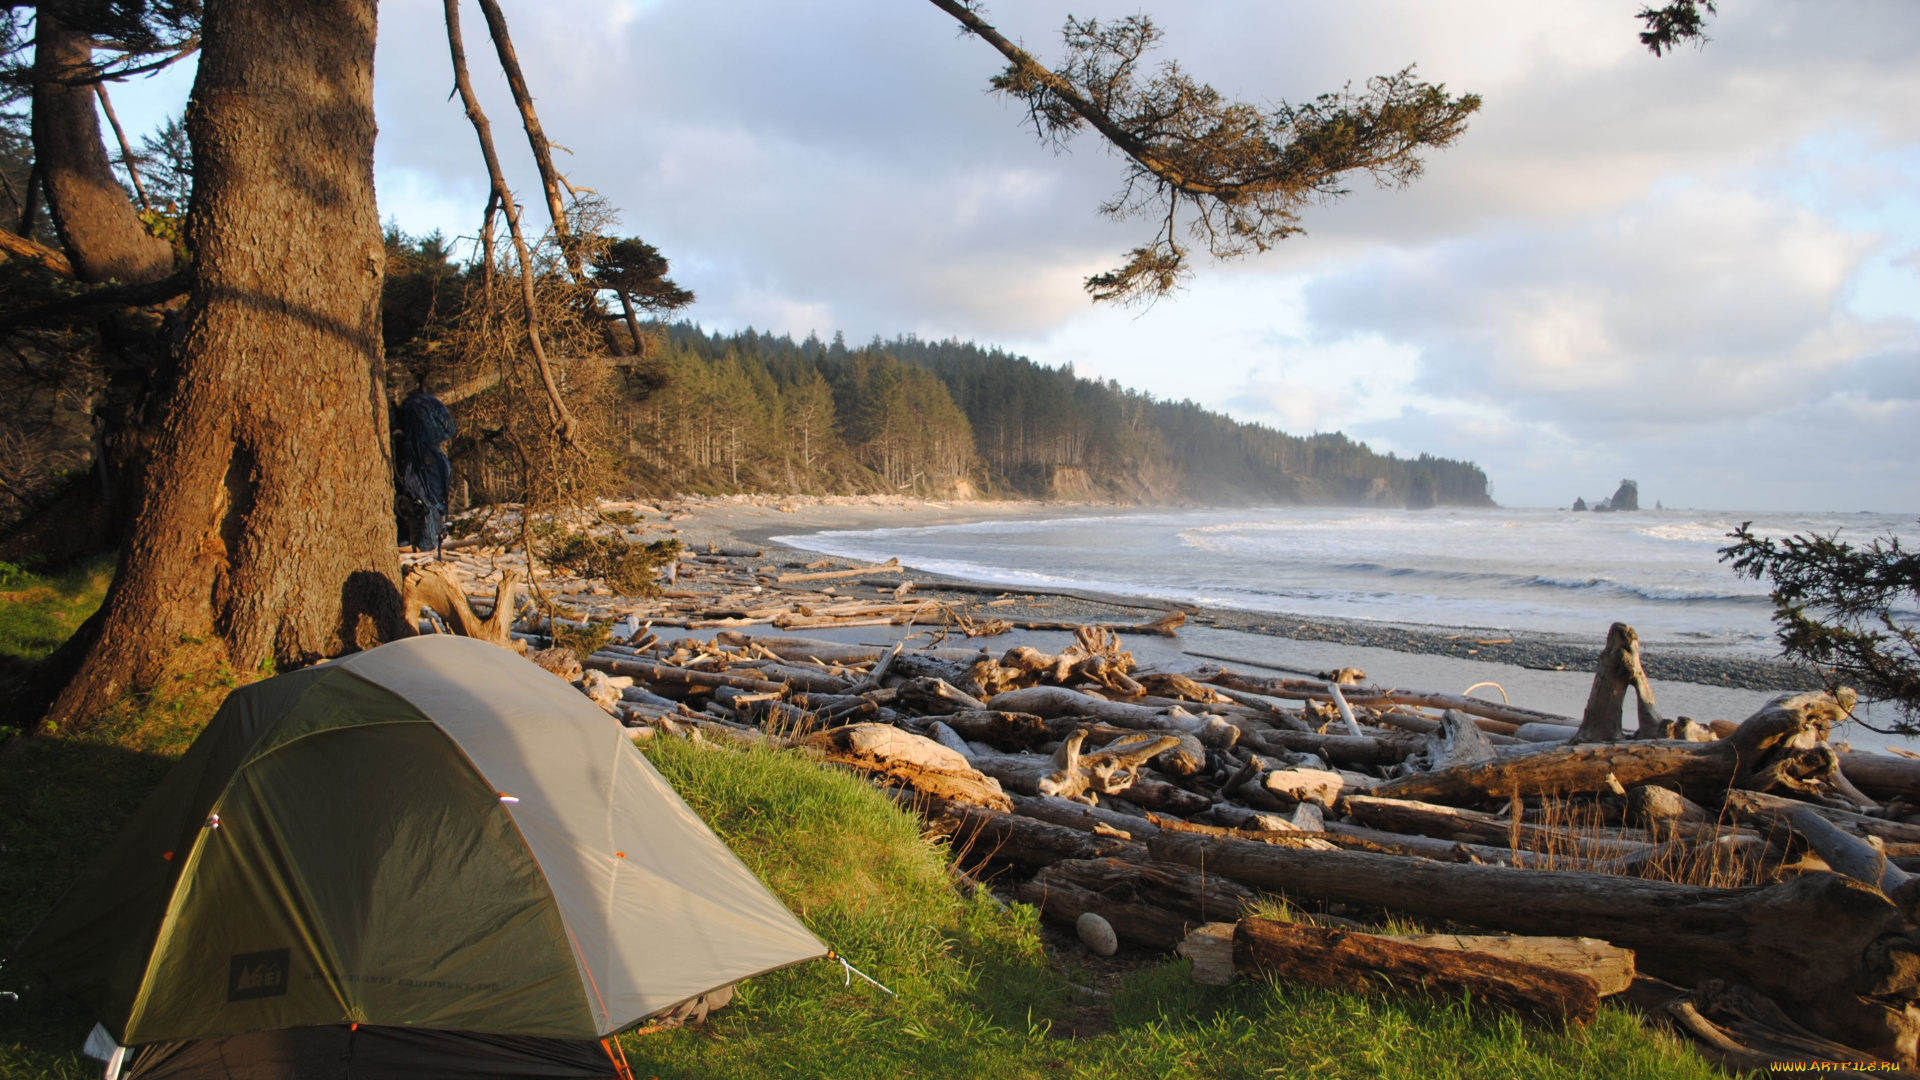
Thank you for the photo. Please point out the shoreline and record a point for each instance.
(758, 520)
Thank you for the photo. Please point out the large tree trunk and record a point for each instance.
(268, 521)
(103, 235)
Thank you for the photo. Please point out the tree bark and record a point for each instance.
(102, 233)
(268, 522)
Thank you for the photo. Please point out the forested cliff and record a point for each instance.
(755, 412)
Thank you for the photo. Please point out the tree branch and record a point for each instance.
(550, 178)
(562, 418)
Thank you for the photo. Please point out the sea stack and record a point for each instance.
(1627, 497)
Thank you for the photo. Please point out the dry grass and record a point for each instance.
(1584, 834)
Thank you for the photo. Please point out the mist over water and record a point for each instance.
(1547, 571)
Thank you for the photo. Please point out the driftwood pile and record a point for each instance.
(712, 589)
(1747, 882)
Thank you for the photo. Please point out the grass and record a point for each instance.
(38, 612)
(979, 992)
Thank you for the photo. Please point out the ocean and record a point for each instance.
(1540, 571)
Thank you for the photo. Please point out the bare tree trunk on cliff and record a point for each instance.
(268, 524)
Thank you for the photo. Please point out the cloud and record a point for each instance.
(1700, 303)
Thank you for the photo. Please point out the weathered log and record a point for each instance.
(1150, 792)
(1836, 951)
(1172, 684)
(1016, 732)
(1760, 808)
(1458, 742)
(909, 759)
(1209, 950)
(1770, 737)
(1473, 827)
(1267, 710)
(1304, 785)
(1167, 625)
(1848, 854)
(1150, 904)
(1619, 669)
(1748, 1031)
(1343, 960)
(829, 575)
(977, 835)
(1077, 815)
(1060, 701)
(879, 670)
(1316, 690)
(1339, 749)
(1071, 774)
(1883, 776)
(1286, 833)
(1024, 731)
(1426, 725)
(432, 586)
(803, 648)
(1650, 805)
(1609, 966)
(1306, 817)
(810, 680)
(641, 669)
(1426, 847)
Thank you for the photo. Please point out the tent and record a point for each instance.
(428, 859)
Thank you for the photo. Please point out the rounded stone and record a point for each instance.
(1097, 934)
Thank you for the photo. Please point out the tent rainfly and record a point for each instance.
(430, 858)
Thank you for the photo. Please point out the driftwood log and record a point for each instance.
(1317, 690)
(1061, 701)
(1474, 827)
(1150, 904)
(1338, 749)
(1070, 774)
(1343, 960)
(1619, 669)
(1837, 951)
(1167, 625)
(432, 587)
(1764, 742)
(666, 673)
(1883, 776)
(978, 836)
(910, 759)
(1609, 966)
(1209, 948)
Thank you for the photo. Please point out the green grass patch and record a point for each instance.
(980, 996)
(38, 612)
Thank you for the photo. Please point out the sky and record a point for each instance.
(1700, 271)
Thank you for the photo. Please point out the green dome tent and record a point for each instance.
(431, 858)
